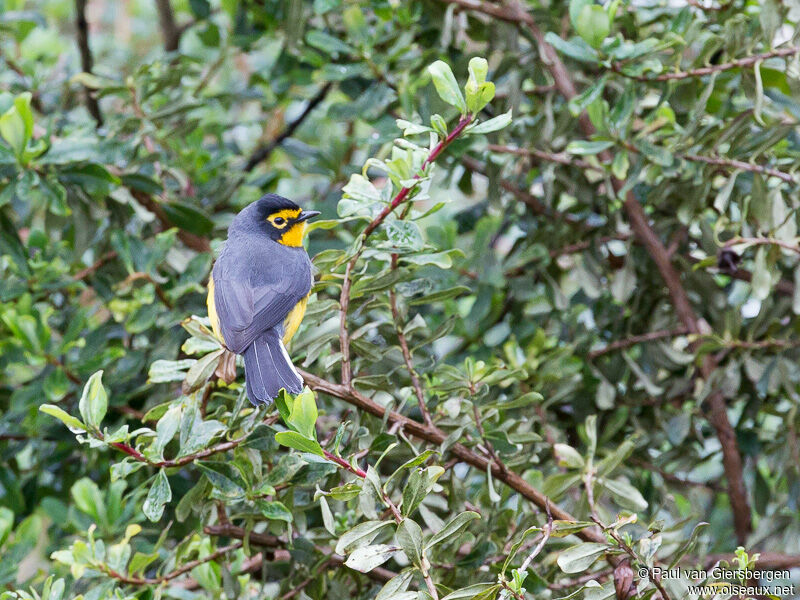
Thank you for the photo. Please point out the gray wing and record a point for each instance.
(255, 299)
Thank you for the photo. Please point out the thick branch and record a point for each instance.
(87, 61)
(169, 29)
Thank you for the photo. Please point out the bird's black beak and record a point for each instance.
(306, 215)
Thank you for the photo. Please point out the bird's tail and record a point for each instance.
(268, 368)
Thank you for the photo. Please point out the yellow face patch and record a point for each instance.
(280, 219)
(284, 220)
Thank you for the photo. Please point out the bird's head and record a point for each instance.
(278, 217)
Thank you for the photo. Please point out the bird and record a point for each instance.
(258, 291)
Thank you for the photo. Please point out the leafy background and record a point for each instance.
(545, 357)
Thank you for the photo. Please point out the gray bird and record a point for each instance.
(258, 291)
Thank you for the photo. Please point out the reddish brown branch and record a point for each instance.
(177, 462)
(169, 29)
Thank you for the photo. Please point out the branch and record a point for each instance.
(561, 158)
(401, 338)
(567, 160)
(637, 339)
(671, 477)
(171, 575)
(87, 62)
(738, 164)
(193, 241)
(90, 270)
(177, 462)
(748, 61)
(169, 29)
(263, 152)
(436, 436)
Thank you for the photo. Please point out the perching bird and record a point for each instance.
(258, 291)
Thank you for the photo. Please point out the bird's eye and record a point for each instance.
(279, 221)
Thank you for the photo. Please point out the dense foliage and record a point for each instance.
(552, 341)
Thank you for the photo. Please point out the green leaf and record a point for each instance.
(6, 523)
(274, 510)
(625, 494)
(576, 48)
(452, 527)
(568, 456)
(575, 8)
(200, 372)
(361, 535)
(368, 557)
(409, 536)
(592, 25)
(327, 43)
(446, 85)
(94, 401)
(440, 295)
(585, 147)
(88, 499)
(292, 439)
(166, 428)
(188, 217)
(482, 591)
(494, 124)
(16, 125)
(478, 91)
(159, 494)
(761, 284)
(304, 414)
(74, 425)
(579, 558)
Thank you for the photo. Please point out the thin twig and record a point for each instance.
(747, 61)
(738, 164)
(401, 338)
(185, 568)
(263, 152)
(637, 339)
(177, 462)
(546, 530)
